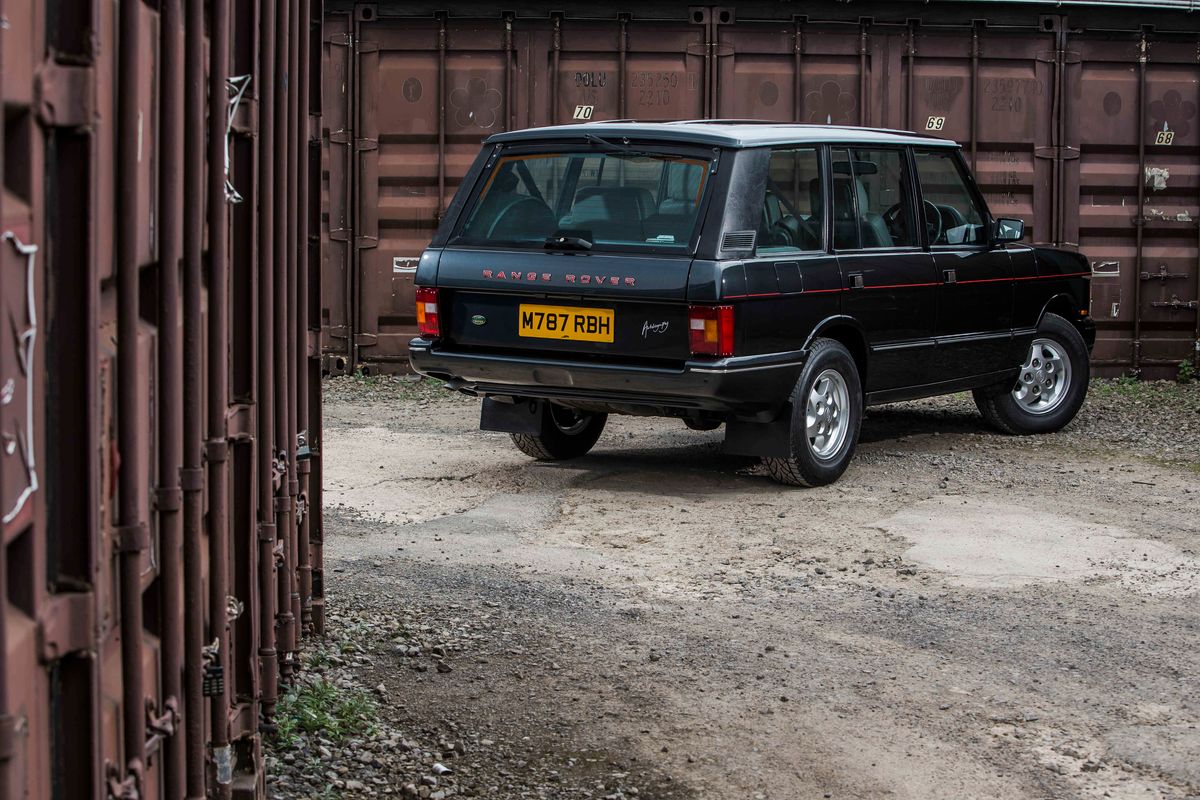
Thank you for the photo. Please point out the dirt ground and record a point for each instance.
(963, 615)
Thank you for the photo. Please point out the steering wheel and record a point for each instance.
(933, 219)
(781, 231)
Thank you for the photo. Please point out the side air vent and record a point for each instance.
(738, 240)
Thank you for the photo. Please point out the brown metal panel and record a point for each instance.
(1150, 286)
(337, 238)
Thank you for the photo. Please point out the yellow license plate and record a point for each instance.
(562, 322)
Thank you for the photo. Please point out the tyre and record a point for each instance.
(826, 415)
(1050, 388)
(566, 433)
(702, 424)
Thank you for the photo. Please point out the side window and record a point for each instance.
(951, 213)
(791, 215)
(870, 200)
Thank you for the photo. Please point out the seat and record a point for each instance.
(610, 212)
(846, 226)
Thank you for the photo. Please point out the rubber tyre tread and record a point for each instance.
(1003, 413)
(802, 468)
(554, 445)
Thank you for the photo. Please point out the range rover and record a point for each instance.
(771, 278)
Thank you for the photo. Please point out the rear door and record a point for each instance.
(891, 281)
(975, 298)
(582, 250)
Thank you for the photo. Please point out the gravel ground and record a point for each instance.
(963, 615)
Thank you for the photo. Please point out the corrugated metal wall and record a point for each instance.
(1084, 124)
(159, 389)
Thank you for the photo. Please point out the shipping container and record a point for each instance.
(146, 485)
(1079, 118)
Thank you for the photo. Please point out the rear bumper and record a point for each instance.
(746, 385)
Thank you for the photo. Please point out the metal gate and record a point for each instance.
(1083, 124)
(159, 389)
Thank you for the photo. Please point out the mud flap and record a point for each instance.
(768, 439)
(520, 416)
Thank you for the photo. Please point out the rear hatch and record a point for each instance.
(577, 251)
(597, 305)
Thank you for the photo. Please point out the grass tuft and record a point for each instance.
(317, 706)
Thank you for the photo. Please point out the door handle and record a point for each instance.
(856, 280)
(950, 276)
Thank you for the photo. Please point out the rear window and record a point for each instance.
(610, 200)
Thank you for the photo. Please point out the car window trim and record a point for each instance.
(956, 159)
(819, 149)
(710, 155)
(906, 159)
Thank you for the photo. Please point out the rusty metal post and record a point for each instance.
(217, 446)
(268, 661)
(622, 58)
(132, 536)
(555, 60)
(304, 422)
(441, 72)
(296, 131)
(864, 116)
(911, 55)
(1140, 220)
(509, 72)
(170, 374)
(192, 476)
(975, 96)
(286, 641)
(798, 69)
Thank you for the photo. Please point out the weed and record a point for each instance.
(317, 706)
(1187, 372)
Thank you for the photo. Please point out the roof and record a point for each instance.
(724, 133)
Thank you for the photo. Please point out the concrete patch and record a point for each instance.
(984, 544)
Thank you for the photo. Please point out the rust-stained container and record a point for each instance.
(1080, 120)
(139, 535)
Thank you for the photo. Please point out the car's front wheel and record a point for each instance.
(565, 433)
(826, 415)
(1050, 387)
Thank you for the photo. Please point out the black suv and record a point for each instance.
(775, 278)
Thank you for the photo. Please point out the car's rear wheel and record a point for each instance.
(565, 433)
(1050, 387)
(826, 417)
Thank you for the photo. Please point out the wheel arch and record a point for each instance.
(1063, 304)
(849, 332)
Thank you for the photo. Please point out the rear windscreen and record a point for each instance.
(608, 200)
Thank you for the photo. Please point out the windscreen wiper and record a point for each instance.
(625, 149)
(568, 240)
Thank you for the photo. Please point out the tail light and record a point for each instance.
(710, 330)
(427, 311)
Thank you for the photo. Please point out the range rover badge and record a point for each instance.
(479, 319)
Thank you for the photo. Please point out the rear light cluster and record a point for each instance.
(710, 330)
(427, 311)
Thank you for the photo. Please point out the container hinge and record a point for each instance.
(341, 40)
(10, 728)
(366, 242)
(1162, 276)
(365, 339)
(339, 137)
(123, 789)
(365, 145)
(366, 47)
(168, 498)
(64, 95)
(1175, 304)
(133, 538)
(65, 626)
(340, 235)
